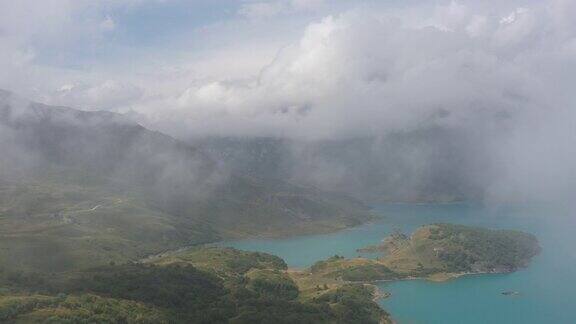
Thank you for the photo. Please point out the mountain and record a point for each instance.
(436, 164)
(81, 188)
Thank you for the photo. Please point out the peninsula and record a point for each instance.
(436, 252)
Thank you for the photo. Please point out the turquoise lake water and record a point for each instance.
(547, 287)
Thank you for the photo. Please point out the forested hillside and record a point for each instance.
(208, 285)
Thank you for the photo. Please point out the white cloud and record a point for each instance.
(258, 10)
(502, 72)
(503, 79)
(392, 68)
(272, 8)
(307, 4)
(516, 27)
(108, 95)
(108, 24)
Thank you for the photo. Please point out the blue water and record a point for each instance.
(547, 287)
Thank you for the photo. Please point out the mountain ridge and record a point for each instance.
(86, 188)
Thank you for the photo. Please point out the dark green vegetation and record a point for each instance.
(209, 285)
(465, 249)
(81, 189)
(24, 309)
(448, 250)
(225, 262)
(353, 304)
(438, 252)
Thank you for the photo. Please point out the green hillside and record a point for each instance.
(50, 226)
(79, 189)
(211, 285)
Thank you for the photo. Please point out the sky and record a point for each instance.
(282, 66)
(502, 71)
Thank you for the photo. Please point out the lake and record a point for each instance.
(546, 287)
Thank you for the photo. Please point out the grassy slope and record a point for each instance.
(353, 270)
(96, 187)
(224, 262)
(211, 285)
(56, 226)
(252, 207)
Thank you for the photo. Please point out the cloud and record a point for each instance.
(500, 73)
(261, 9)
(109, 95)
(502, 81)
(107, 24)
(273, 8)
(307, 4)
(363, 72)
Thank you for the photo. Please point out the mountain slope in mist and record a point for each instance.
(428, 165)
(85, 188)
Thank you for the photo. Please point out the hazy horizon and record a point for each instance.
(496, 75)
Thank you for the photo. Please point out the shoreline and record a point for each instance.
(446, 277)
(375, 217)
(379, 293)
(275, 237)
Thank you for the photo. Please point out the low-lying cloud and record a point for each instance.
(499, 74)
